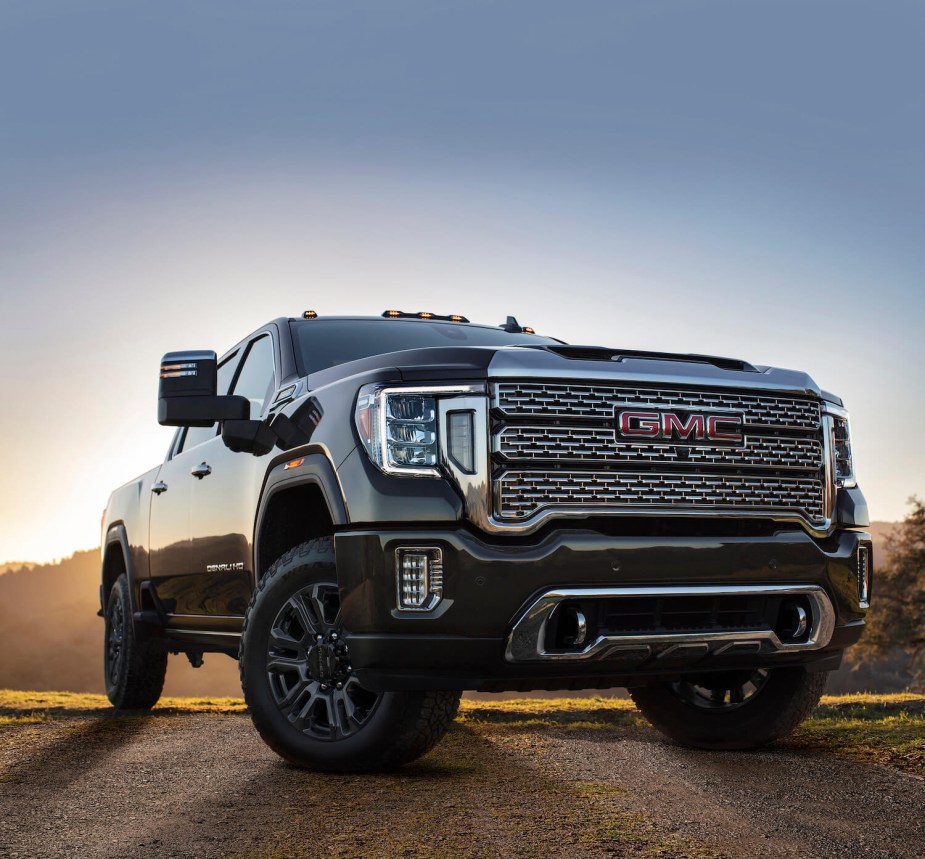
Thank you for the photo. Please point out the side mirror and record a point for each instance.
(187, 392)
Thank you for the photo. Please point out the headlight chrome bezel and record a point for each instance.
(842, 453)
(374, 417)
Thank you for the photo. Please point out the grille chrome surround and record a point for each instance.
(561, 400)
(555, 455)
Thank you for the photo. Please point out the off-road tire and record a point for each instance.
(787, 698)
(136, 680)
(402, 725)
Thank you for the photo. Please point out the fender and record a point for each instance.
(315, 469)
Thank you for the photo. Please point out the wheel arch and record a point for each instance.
(117, 559)
(295, 508)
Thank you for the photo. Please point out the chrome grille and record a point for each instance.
(554, 452)
(586, 444)
(541, 399)
(523, 493)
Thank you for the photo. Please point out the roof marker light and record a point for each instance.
(309, 314)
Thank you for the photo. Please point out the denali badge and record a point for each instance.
(224, 568)
(692, 427)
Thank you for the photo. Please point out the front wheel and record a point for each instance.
(731, 709)
(303, 697)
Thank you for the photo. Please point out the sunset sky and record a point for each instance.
(739, 178)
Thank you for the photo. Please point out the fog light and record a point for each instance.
(419, 578)
(864, 565)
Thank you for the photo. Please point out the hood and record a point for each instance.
(577, 363)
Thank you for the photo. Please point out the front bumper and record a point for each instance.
(464, 642)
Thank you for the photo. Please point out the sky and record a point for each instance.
(738, 178)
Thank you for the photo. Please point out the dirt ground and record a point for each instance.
(509, 780)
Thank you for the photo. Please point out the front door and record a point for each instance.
(224, 502)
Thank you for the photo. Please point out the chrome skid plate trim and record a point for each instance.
(525, 643)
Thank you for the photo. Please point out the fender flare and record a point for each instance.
(315, 470)
(117, 534)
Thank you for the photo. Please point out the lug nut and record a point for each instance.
(340, 686)
(333, 636)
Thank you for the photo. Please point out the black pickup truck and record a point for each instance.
(373, 514)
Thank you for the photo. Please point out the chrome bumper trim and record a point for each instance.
(525, 643)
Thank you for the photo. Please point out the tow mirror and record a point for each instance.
(187, 392)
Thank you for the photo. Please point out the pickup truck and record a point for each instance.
(374, 514)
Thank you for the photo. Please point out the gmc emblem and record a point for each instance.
(690, 427)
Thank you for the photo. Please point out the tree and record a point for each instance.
(896, 621)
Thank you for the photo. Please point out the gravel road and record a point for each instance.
(203, 785)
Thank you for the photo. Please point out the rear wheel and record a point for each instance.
(304, 699)
(134, 667)
(731, 709)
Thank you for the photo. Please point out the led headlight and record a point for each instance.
(841, 444)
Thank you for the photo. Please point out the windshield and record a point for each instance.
(322, 343)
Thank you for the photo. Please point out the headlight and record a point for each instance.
(398, 427)
(841, 444)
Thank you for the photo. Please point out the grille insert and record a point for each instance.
(546, 399)
(585, 444)
(522, 493)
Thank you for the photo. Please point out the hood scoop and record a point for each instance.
(598, 353)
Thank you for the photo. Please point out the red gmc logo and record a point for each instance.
(692, 427)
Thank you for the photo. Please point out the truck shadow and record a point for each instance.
(468, 797)
(80, 747)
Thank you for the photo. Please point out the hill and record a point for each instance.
(51, 638)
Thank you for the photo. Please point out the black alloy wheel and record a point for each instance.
(302, 692)
(308, 666)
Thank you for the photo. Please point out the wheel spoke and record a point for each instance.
(284, 641)
(319, 607)
(306, 621)
(340, 724)
(291, 698)
(302, 713)
(283, 664)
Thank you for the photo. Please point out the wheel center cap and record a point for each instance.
(322, 662)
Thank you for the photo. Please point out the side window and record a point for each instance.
(257, 379)
(197, 435)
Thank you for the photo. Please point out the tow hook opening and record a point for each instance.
(568, 628)
(793, 621)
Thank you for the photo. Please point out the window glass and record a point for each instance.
(257, 379)
(198, 435)
(325, 343)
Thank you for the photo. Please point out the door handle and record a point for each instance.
(201, 470)
(159, 487)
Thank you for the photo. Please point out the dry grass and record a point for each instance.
(882, 729)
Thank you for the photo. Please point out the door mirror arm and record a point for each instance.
(283, 431)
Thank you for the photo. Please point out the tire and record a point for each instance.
(134, 668)
(731, 710)
(303, 698)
